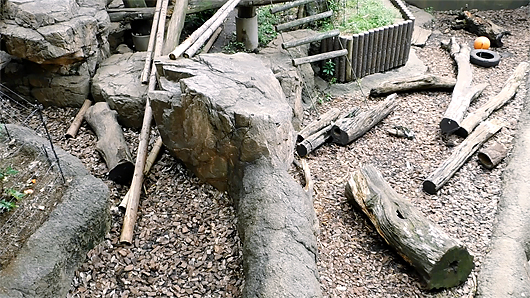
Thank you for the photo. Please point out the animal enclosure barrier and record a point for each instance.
(31, 179)
(375, 50)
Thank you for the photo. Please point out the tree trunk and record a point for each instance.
(174, 28)
(460, 99)
(346, 130)
(460, 155)
(315, 126)
(422, 82)
(313, 141)
(481, 27)
(440, 260)
(111, 142)
(507, 92)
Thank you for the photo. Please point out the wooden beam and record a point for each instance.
(151, 45)
(323, 120)
(320, 57)
(313, 38)
(200, 5)
(460, 155)
(441, 261)
(174, 28)
(422, 82)
(290, 5)
(302, 21)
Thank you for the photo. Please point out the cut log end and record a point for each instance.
(429, 187)
(449, 126)
(452, 269)
(122, 173)
(302, 150)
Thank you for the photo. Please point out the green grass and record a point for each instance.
(355, 16)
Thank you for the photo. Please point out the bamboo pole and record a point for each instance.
(148, 164)
(179, 50)
(151, 44)
(131, 212)
(74, 127)
(211, 41)
(175, 25)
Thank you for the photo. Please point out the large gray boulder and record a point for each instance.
(45, 265)
(117, 81)
(54, 39)
(227, 118)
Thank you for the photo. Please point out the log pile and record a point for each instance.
(440, 260)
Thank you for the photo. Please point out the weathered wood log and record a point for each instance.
(200, 5)
(346, 130)
(148, 164)
(324, 120)
(440, 260)
(458, 113)
(222, 12)
(314, 141)
(111, 142)
(481, 27)
(174, 28)
(289, 5)
(130, 14)
(74, 127)
(508, 91)
(460, 155)
(492, 155)
(310, 39)
(302, 21)
(459, 101)
(422, 82)
(319, 57)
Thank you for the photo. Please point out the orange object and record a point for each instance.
(482, 43)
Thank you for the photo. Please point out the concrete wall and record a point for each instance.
(478, 4)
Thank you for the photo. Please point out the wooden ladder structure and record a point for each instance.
(321, 36)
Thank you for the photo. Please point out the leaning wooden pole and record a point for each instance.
(460, 155)
(508, 91)
(440, 260)
(180, 49)
(131, 212)
(74, 127)
(459, 100)
(174, 28)
(151, 45)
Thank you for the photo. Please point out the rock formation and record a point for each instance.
(227, 119)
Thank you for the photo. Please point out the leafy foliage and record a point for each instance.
(329, 68)
(266, 30)
(362, 15)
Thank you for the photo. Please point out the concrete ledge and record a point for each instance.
(45, 265)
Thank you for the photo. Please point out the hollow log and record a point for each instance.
(492, 155)
(346, 130)
(481, 27)
(174, 28)
(324, 120)
(460, 155)
(441, 261)
(422, 82)
(74, 127)
(459, 100)
(313, 141)
(111, 142)
(508, 91)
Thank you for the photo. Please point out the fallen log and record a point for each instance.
(460, 98)
(314, 141)
(466, 98)
(441, 261)
(174, 28)
(460, 155)
(74, 127)
(346, 130)
(324, 120)
(481, 27)
(508, 91)
(492, 155)
(111, 142)
(422, 82)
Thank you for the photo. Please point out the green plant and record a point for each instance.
(17, 195)
(329, 68)
(6, 205)
(234, 47)
(363, 15)
(266, 30)
(429, 10)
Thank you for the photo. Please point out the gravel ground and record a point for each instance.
(186, 244)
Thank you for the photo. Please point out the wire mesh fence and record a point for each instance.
(31, 179)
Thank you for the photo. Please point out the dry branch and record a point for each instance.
(508, 91)
(422, 82)
(346, 130)
(440, 260)
(460, 155)
(460, 98)
(111, 143)
(74, 127)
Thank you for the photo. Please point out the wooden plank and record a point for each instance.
(310, 39)
(319, 57)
